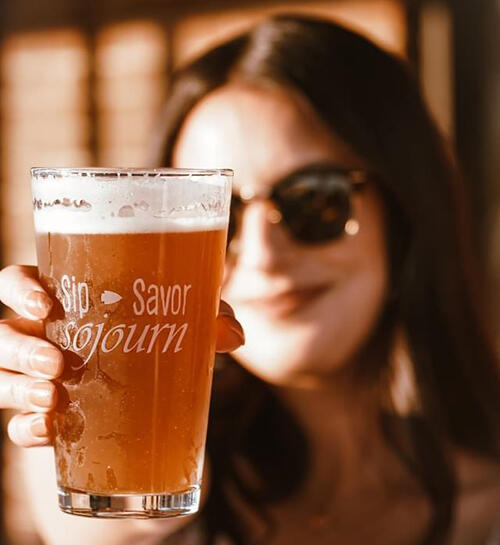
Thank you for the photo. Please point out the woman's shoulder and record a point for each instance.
(477, 520)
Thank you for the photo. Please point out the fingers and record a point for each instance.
(27, 354)
(30, 357)
(21, 291)
(230, 335)
(36, 397)
(25, 393)
(24, 325)
(29, 430)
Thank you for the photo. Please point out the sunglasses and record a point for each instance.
(313, 203)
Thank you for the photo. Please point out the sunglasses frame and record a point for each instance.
(355, 178)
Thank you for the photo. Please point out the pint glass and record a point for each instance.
(134, 261)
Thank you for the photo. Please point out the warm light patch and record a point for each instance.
(380, 20)
(44, 122)
(274, 216)
(352, 227)
(130, 65)
(247, 193)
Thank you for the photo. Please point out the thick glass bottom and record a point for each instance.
(142, 506)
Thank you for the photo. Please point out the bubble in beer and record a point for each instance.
(120, 439)
(73, 425)
(126, 211)
(83, 205)
(80, 456)
(111, 480)
(162, 213)
(109, 382)
(62, 467)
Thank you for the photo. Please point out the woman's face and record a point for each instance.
(306, 310)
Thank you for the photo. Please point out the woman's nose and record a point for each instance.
(262, 242)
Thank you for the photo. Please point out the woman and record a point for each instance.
(364, 403)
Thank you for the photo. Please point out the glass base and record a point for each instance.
(142, 506)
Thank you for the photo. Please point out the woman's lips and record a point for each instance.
(285, 303)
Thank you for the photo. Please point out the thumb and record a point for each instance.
(230, 335)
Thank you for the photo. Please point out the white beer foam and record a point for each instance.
(88, 206)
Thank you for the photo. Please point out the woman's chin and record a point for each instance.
(277, 356)
(279, 351)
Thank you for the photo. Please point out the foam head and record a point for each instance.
(79, 203)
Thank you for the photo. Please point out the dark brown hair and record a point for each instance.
(370, 99)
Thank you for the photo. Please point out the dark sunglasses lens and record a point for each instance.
(315, 205)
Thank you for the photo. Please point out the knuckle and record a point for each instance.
(14, 347)
(19, 297)
(34, 328)
(11, 429)
(28, 430)
(24, 350)
(14, 429)
(17, 393)
(11, 274)
(10, 270)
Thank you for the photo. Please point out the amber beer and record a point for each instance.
(137, 289)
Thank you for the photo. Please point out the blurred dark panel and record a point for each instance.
(413, 14)
(23, 14)
(476, 28)
(36, 14)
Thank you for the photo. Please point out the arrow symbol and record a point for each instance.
(110, 297)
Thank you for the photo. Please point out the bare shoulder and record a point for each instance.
(478, 503)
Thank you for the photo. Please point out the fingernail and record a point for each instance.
(38, 426)
(235, 327)
(38, 304)
(238, 330)
(42, 394)
(47, 361)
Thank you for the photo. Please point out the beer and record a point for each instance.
(136, 303)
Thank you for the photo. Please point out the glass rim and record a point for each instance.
(116, 172)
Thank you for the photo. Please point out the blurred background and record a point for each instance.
(82, 83)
